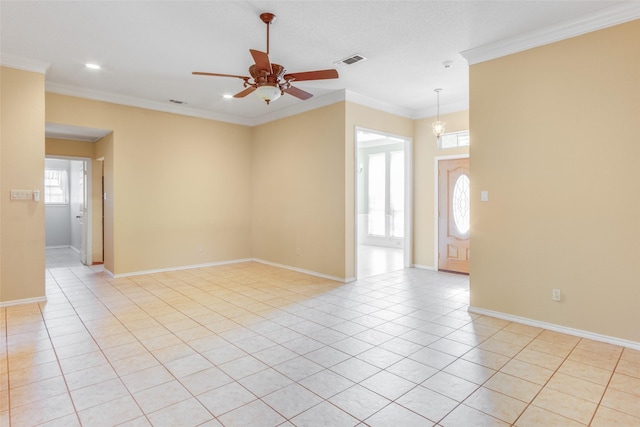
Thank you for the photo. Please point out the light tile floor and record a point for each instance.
(62, 257)
(374, 260)
(254, 345)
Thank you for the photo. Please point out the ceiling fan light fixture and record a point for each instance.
(268, 93)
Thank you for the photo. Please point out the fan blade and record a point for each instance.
(312, 75)
(201, 73)
(298, 93)
(245, 92)
(262, 60)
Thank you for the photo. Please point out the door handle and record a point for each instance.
(78, 216)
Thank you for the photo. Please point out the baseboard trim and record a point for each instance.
(58, 247)
(309, 272)
(423, 267)
(36, 300)
(558, 328)
(183, 267)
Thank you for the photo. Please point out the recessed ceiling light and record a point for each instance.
(227, 96)
(92, 66)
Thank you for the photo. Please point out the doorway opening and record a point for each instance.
(383, 203)
(67, 198)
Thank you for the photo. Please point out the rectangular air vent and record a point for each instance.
(350, 60)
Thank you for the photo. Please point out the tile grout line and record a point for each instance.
(599, 404)
(53, 347)
(109, 361)
(7, 364)
(530, 403)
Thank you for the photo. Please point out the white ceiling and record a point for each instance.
(148, 49)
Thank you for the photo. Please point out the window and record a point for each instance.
(56, 187)
(386, 194)
(454, 139)
(461, 204)
(377, 194)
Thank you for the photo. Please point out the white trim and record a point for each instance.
(312, 104)
(424, 267)
(408, 202)
(23, 301)
(182, 267)
(302, 270)
(25, 64)
(451, 107)
(618, 14)
(378, 105)
(58, 247)
(436, 229)
(108, 273)
(141, 103)
(301, 107)
(557, 328)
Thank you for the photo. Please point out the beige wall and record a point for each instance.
(22, 235)
(174, 184)
(298, 191)
(425, 152)
(360, 116)
(556, 141)
(67, 148)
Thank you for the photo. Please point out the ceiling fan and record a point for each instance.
(269, 80)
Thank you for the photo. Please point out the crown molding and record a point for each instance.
(311, 104)
(619, 14)
(366, 101)
(301, 107)
(25, 64)
(141, 103)
(451, 107)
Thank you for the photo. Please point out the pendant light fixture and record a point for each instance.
(438, 126)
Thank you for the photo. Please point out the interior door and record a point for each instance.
(453, 215)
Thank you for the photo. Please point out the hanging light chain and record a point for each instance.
(438, 126)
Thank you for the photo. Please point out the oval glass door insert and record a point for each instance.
(461, 204)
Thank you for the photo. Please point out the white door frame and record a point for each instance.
(408, 193)
(88, 220)
(436, 204)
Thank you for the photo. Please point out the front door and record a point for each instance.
(453, 215)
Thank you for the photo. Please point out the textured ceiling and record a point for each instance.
(148, 49)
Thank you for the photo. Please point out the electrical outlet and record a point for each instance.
(556, 295)
(201, 248)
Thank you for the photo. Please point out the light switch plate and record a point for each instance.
(21, 194)
(484, 196)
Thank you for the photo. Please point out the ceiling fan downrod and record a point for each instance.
(267, 18)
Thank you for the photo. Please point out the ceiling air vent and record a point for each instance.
(350, 60)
